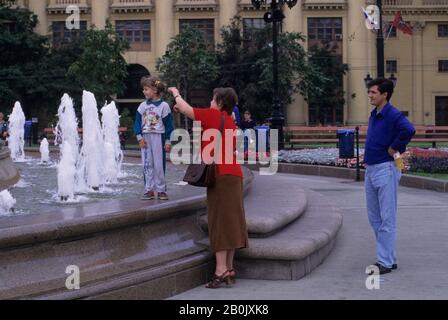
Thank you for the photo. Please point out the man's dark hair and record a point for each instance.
(384, 85)
(227, 97)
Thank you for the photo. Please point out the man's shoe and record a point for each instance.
(394, 266)
(382, 269)
(162, 196)
(148, 196)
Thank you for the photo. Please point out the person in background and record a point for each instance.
(236, 116)
(248, 123)
(3, 127)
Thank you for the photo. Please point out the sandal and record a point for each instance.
(218, 280)
(231, 279)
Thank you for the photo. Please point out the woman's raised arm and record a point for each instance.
(181, 106)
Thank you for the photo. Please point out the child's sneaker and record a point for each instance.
(148, 196)
(162, 196)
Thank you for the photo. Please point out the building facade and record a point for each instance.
(418, 61)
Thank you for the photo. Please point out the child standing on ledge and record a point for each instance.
(153, 128)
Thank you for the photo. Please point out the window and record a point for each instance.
(136, 32)
(62, 35)
(251, 26)
(206, 26)
(442, 30)
(327, 29)
(443, 65)
(391, 66)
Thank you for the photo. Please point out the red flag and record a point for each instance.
(401, 25)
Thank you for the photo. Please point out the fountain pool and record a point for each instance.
(37, 189)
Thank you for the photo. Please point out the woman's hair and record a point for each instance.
(226, 97)
(155, 83)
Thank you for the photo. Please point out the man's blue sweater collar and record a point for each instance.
(383, 111)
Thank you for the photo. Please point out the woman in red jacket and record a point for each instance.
(226, 218)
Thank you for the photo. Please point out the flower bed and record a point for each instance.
(415, 159)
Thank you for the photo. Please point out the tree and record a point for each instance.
(21, 50)
(246, 64)
(30, 71)
(101, 67)
(328, 107)
(188, 63)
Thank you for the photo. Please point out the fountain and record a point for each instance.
(113, 156)
(44, 151)
(16, 141)
(67, 136)
(90, 169)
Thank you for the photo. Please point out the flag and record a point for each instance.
(401, 25)
(370, 20)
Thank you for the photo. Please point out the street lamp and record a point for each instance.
(275, 15)
(368, 79)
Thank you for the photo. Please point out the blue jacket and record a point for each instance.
(389, 128)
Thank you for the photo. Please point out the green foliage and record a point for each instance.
(21, 50)
(188, 63)
(101, 68)
(247, 66)
(126, 119)
(325, 59)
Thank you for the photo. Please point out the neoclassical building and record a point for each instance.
(419, 62)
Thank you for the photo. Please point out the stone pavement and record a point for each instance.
(421, 251)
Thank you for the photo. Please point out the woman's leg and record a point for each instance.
(230, 255)
(221, 262)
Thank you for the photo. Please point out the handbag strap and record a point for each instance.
(218, 144)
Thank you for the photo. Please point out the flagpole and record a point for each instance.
(380, 42)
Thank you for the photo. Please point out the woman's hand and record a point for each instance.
(174, 91)
(167, 148)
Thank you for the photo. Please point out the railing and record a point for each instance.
(117, 3)
(415, 3)
(196, 4)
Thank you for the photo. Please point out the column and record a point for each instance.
(164, 26)
(418, 106)
(39, 7)
(100, 13)
(358, 61)
(296, 112)
(228, 9)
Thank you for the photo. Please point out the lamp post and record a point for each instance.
(275, 16)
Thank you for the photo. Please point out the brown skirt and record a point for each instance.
(226, 218)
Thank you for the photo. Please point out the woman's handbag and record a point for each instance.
(204, 175)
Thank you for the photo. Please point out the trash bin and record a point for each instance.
(346, 143)
(262, 137)
(28, 131)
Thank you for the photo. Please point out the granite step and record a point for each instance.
(295, 250)
(270, 206)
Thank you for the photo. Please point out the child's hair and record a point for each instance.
(153, 82)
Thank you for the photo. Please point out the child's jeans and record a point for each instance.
(381, 184)
(152, 158)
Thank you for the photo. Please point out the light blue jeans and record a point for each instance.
(381, 184)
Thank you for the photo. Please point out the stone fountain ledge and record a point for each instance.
(70, 223)
(8, 173)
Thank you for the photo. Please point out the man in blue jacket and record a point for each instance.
(388, 135)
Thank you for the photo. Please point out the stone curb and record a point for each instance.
(350, 174)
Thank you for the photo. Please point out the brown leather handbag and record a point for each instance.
(204, 175)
